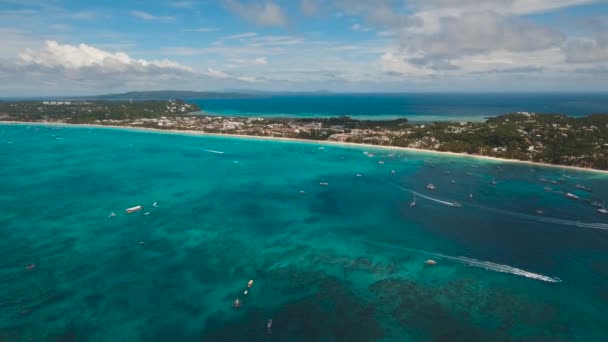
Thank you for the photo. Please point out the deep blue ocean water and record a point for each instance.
(416, 107)
(342, 262)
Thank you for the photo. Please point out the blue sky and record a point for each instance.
(60, 47)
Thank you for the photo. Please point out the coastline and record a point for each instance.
(316, 142)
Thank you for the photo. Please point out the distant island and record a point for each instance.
(165, 95)
(542, 138)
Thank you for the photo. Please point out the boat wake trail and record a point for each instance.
(542, 219)
(488, 265)
(450, 204)
(208, 151)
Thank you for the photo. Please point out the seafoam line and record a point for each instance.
(488, 265)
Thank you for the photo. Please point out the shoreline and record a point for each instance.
(317, 142)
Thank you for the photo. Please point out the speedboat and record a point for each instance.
(603, 209)
(430, 187)
(493, 182)
(431, 262)
(456, 204)
(544, 180)
(584, 188)
(323, 184)
(133, 209)
(571, 196)
(359, 175)
(413, 204)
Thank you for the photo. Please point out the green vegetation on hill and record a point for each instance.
(90, 112)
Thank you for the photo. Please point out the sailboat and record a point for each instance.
(603, 210)
(413, 204)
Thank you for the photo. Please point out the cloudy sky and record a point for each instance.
(63, 47)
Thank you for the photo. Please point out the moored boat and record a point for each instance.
(133, 209)
(571, 196)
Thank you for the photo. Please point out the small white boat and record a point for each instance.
(540, 212)
(571, 196)
(133, 209)
(359, 175)
(302, 192)
(603, 209)
(323, 184)
(470, 195)
(413, 204)
(596, 204)
(381, 162)
(112, 215)
(431, 262)
(493, 182)
(430, 187)
(453, 181)
(155, 205)
(146, 214)
(393, 172)
(456, 204)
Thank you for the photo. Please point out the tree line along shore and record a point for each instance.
(542, 138)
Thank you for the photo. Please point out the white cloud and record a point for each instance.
(241, 35)
(216, 73)
(203, 29)
(183, 4)
(74, 57)
(359, 28)
(247, 79)
(585, 51)
(519, 7)
(254, 61)
(262, 13)
(309, 7)
(149, 17)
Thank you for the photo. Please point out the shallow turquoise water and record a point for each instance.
(343, 262)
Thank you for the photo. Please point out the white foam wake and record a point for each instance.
(488, 265)
(209, 151)
(436, 200)
(543, 219)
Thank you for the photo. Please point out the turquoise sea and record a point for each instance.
(341, 262)
(415, 107)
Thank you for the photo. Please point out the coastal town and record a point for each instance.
(544, 138)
